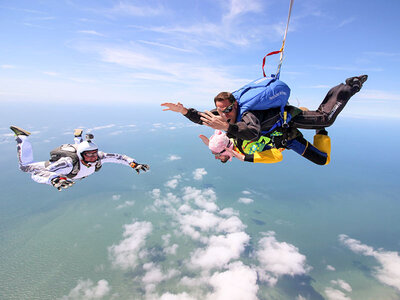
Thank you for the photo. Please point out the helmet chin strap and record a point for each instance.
(88, 164)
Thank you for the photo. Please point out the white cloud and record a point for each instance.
(240, 7)
(166, 238)
(126, 254)
(389, 270)
(199, 173)
(230, 225)
(12, 134)
(229, 211)
(135, 60)
(333, 294)
(221, 240)
(117, 132)
(238, 282)
(346, 22)
(172, 184)
(220, 250)
(125, 8)
(181, 296)
(154, 276)
(245, 200)
(279, 258)
(379, 95)
(101, 127)
(87, 290)
(7, 67)
(91, 32)
(342, 284)
(171, 249)
(330, 268)
(166, 46)
(173, 157)
(116, 197)
(156, 193)
(202, 198)
(126, 204)
(149, 65)
(246, 192)
(197, 219)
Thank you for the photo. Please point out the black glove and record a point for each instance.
(61, 182)
(138, 167)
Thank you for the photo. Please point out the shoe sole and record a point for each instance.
(19, 131)
(78, 132)
(362, 79)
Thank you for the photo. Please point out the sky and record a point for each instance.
(149, 52)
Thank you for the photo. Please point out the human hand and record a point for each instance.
(61, 182)
(219, 122)
(178, 107)
(204, 139)
(238, 155)
(139, 167)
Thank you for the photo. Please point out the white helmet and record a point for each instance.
(85, 146)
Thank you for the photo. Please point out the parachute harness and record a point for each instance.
(285, 117)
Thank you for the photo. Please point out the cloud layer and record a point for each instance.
(389, 270)
(217, 261)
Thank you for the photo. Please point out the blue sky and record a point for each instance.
(156, 51)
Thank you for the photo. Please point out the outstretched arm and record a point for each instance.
(122, 159)
(190, 113)
(175, 107)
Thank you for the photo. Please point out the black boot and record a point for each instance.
(356, 82)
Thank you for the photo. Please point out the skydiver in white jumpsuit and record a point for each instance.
(83, 159)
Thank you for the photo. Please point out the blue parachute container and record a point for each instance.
(261, 94)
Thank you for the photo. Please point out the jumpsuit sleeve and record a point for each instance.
(62, 166)
(267, 157)
(116, 158)
(194, 115)
(249, 128)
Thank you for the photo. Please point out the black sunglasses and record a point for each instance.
(218, 154)
(228, 109)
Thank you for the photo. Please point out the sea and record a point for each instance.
(192, 227)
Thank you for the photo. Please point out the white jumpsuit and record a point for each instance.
(42, 172)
